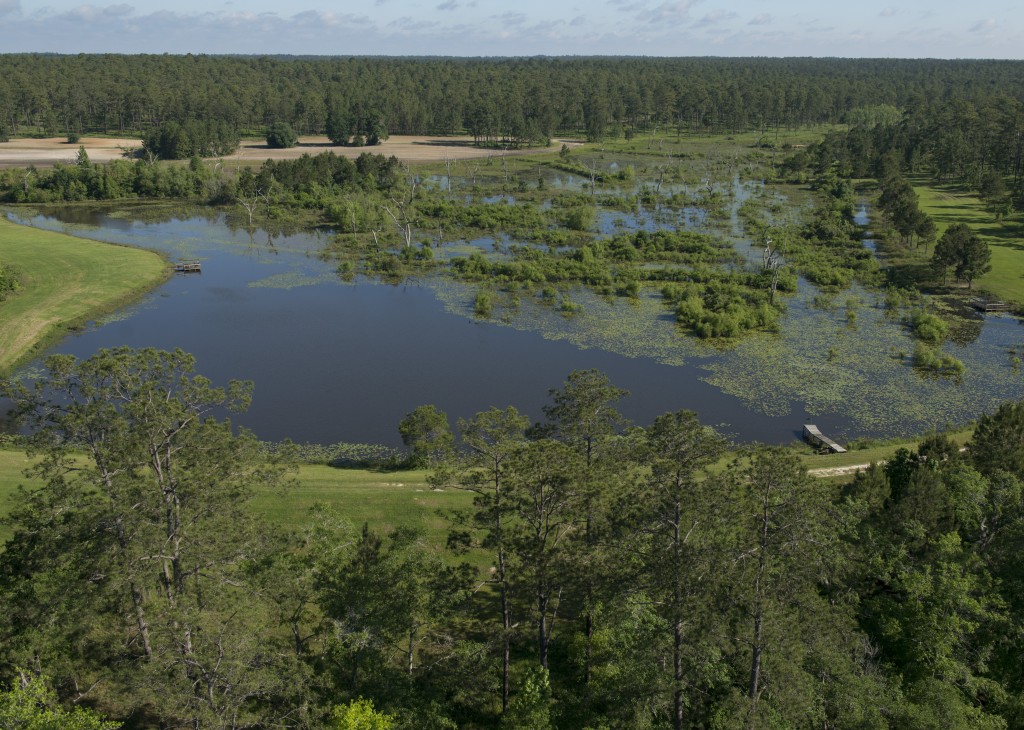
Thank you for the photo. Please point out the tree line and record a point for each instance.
(507, 102)
(309, 181)
(977, 141)
(604, 576)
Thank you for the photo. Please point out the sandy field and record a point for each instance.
(45, 152)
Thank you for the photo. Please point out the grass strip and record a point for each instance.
(948, 204)
(65, 282)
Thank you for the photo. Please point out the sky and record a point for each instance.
(865, 28)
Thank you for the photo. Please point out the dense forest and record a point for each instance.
(511, 101)
(602, 574)
(979, 143)
(605, 576)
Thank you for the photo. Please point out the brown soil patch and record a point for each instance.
(46, 152)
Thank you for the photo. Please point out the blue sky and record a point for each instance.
(869, 28)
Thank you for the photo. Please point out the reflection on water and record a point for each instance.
(345, 362)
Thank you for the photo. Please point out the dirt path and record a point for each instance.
(46, 152)
(842, 471)
(838, 471)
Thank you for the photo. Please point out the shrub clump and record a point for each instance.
(931, 360)
(9, 281)
(927, 327)
(280, 135)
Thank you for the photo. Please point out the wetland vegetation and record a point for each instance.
(717, 243)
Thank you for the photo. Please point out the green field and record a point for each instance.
(949, 204)
(385, 499)
(389, 499)
(65, 282)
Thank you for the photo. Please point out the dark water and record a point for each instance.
(345, 362)
(334, 361)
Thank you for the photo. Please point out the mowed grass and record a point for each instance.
(65, 282)
(389, 499)
(949, 204)
(383, 499)
(882, 452)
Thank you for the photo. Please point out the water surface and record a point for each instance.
(335, 361)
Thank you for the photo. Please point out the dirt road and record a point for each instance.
(45, 152)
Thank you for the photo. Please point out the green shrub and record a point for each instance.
(484, 303)
(8, 281)
(931, 360)
(927, 327)
(280, 135)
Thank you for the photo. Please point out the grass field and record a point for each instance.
(66, 281)
(389, 499)
(949, 204)
(384, 499)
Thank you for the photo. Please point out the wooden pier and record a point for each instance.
(188, 267)
(816, 438)
(986, 305)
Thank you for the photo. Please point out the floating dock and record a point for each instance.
(816, 438)
(188, 267)
(986, 305)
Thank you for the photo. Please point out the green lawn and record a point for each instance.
(388, 499)
(874, 453)
(384, 499)
(948, 204)
(66, 281)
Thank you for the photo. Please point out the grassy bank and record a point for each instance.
(384, 499)
(949, 204)
(65, 282)
(389, 499)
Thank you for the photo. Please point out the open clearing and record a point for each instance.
(948, 204)
(46, 152)
(65, 281)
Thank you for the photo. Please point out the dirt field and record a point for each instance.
(45, 152)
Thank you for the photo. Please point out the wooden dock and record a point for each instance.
(188, 267)
(986, 305)
(816, 438)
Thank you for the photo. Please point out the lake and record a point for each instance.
(335, 361)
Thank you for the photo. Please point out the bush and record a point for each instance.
(8, 281)
(280, 135)
(484, 304)
(925, 358)
(927, 327)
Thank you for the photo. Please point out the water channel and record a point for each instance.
(345, 361)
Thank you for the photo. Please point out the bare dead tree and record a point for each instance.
(772, 263)
(592, 167)
(448, 171)
(403, 219)
(504, 163)
(473, 169)
(250, 201)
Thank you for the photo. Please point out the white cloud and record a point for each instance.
(714, 18)
(512, 19)
(887, 12)
(396, 27)
(668, 13)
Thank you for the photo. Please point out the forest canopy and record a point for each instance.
(599, 576)
(513, 100)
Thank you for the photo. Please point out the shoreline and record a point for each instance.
(67, 282)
